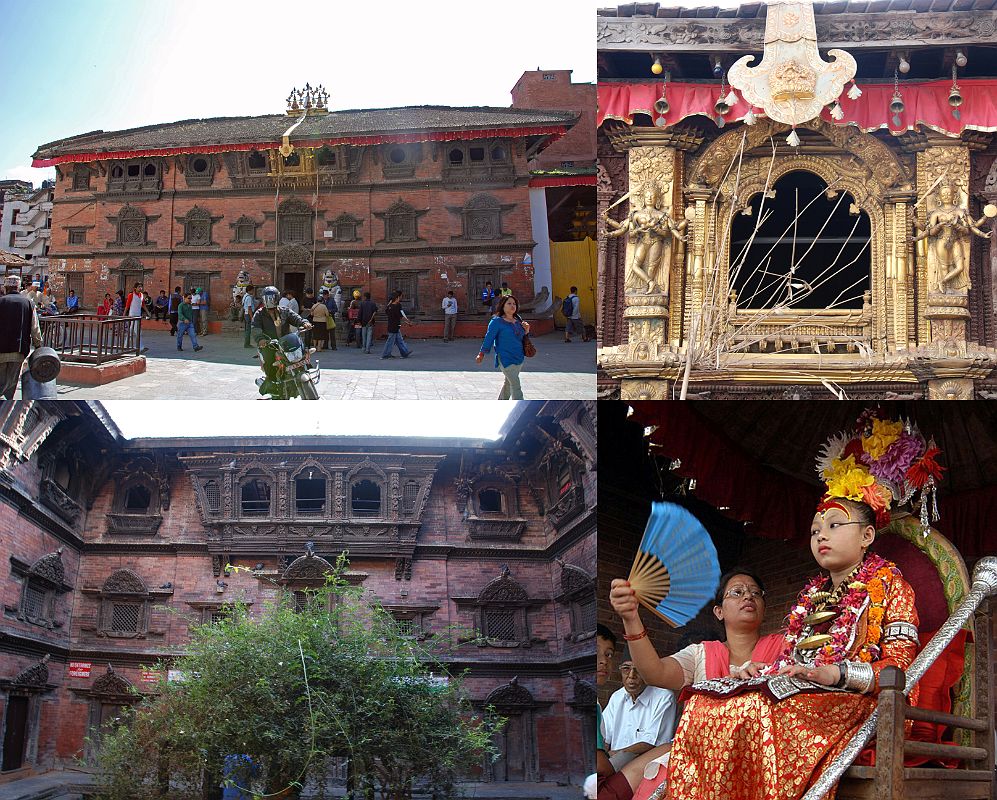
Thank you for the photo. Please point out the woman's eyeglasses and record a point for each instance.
(740, 592)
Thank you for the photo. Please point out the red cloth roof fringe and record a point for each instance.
(554, 131)
(562, 180)
(925, 103)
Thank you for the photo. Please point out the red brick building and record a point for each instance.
(422, 199)
(113, 545)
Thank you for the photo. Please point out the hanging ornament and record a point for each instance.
(955, 95)
(855, 92)
(793, 140)
(897, 103)
(836, 112)
(750, 118)
(731, 98)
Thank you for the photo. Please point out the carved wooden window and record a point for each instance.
(137, 499)
(62, 473)
(294, 223)
(134, 176)
(500, 624)
(326, 157)
(490, 501)
(309, 495)
(256, 161)
(408, 284)
(81, 178)
(400, 223)
(133, 227)
(481, 218)
(213, 497)
(125, 617)
(478, 159)
(365, 499)
(77, 236)
(410, 495)
(301, 601)
(245, 230)
(344, 228)
(583, 616)
(564, 479)
(197, 225)
(399, 160)
(255, 498)
(200, 170)
(406, 625)
(218, 615)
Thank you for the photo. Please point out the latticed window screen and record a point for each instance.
(500, 624)
(220, 615)
(586, 615)
(406, 626)
(124, 617)
(34, 601)
(294, 230)
(213, 497)
(409, 495)
(300, 601)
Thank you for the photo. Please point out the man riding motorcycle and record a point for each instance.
(272, 322)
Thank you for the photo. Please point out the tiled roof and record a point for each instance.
(337, 124)
(752, 10)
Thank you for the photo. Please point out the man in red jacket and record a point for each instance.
(18, 332)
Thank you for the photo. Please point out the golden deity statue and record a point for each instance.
(649, 228)
(948, 227)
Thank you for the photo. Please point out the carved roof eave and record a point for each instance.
(681, 136)
(848, 31)
(338, 460)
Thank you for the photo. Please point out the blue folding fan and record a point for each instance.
(676, 571)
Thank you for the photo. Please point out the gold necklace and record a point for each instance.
(821, 614)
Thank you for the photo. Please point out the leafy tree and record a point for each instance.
(292, 689)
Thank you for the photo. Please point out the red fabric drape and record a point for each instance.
(554, 131)
(779, 506)
(925, 103)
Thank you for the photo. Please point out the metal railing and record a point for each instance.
(90, 339)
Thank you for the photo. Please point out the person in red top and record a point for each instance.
(134, 304)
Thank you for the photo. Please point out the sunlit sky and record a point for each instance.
(73, 66)
(193, 418)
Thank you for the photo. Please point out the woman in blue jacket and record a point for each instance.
(505, 333)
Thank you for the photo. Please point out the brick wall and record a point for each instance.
(553, 89)
(365, 264)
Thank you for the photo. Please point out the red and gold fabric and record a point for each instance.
(737, 741)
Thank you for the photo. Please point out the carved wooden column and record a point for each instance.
(646, 308)
(899, 272)
(698, 196)
(604, 196)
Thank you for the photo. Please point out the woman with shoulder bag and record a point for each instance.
(507, 333)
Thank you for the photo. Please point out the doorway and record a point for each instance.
(512, 746)
(15, 733)
(294, 282)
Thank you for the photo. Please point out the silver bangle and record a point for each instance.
(900, 630)
(859, 676)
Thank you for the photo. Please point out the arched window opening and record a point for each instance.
(309, 495)
(812, 250)
(255, 498)
(365, 499)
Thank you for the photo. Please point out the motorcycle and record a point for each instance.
(294, 374)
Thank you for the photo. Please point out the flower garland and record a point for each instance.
(872, 581)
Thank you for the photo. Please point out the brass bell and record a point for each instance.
(897, 106)
(955, 98)
(721, 107)
(661, 105)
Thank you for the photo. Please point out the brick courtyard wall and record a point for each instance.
(553, 89)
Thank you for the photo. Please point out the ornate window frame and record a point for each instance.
(344, 228)
(578, 594)
(508, 524)
(123, 588)
(401, 222)
(81, 178)
(131, 225)
(239, 228)
(392, 166)
(417, 615)
(200, 177)
(314, 471)
(198, 226)
(256, 473)
(367, 470)
(481, 219)
(501, 603)
(496, 161)
(294, 217)
(147, 178)
(125, 521)
(42, 583)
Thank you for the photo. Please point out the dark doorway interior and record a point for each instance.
(15, 733)
(295, 282)
(825, 276)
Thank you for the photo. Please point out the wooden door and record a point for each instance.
(15, 732)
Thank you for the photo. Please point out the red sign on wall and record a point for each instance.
(79, 669)
(150, 676)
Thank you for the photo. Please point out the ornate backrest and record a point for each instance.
(936, 570)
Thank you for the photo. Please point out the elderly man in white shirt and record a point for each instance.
(637, 717)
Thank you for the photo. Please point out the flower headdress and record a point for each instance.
(881, 462)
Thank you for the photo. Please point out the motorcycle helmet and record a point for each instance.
(271, 297)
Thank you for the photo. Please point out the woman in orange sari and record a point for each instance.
(770, 737)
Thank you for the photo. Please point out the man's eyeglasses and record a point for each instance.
(740, 592)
